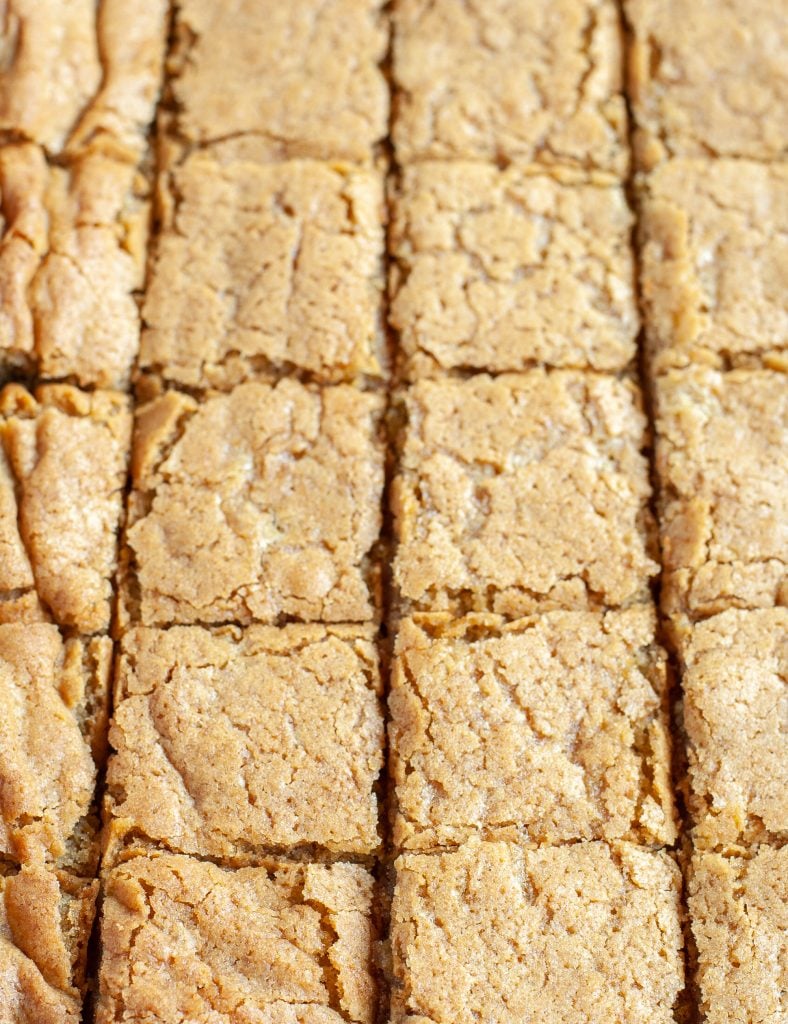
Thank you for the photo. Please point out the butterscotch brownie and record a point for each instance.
(72, 256)
(284, 943)
(557, 935)
(257, 505)
(739, 913)
(63, 457)
(501, 269)
(722, 457)
(260, 268)
(734, 680)
(708, 80)
(522, 492)
(292, 718)
(511, 80)
(551, 729)
(52, 736)
(45, 923)
(81, 74)
(302, 77)
(713, 244)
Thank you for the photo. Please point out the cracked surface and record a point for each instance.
(52, 734)
(739, 913)
(558, 935)
(498, 270)
(735, 685)
(709, 79)
(714, 263)
(264, 267)
(303, 77)
(45, 922)
(63, 457)
(256, 505)
(524, 492)
(294, 723)
(722, 458)
(512, 80)
(280, 944)
(81, 74)
(551, 729)
(72, 254)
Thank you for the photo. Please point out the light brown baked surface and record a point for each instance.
(512, 80)
(714, 263)
(502, 269)
(280, 944)
(722, 459)
(552, 729)
(301, 77)
(63, 458)
(734, 683)
(72, 256)
(293, 721)
(558, 935)
(739, 910)
(53, 739)
(45, 923)
(259, 504)
(708, 79)
(81, 74)
(266, 268)
(522, 492)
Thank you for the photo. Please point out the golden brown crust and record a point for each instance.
(294, 723)
(517, 80)
(257, 505)
(551, 729)
(558, 935)
(260, 269)
(739, 913)
(502, 269)
(522, 492)
(280, 944)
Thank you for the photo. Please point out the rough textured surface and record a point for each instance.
(260, 504)
(550, 729)
(739, 913)
(511, 80)
(562, 935)
(279, 944)
(292, 718)
(81, 74)
(264, 267)
(52, 734)
(63, 457)
(301, 76)
(722, 458)
(72, 255)
(498, 270)
(45, 922)
(708, 79)
(714, 263)
(736, 720)
(522, 492)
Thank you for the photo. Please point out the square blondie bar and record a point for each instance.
(526, 81)
(522, 492)
(63, 463)
(294, 723)
(503, 269)
(557, 935)
(550, 729)
(264, 268)
(263, 504)
(283, 943)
